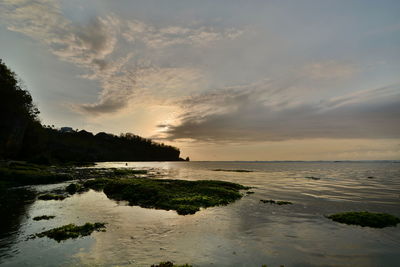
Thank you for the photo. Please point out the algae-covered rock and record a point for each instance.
(43, 217)
(170, 264)
(186, 197)
(365, 218)
(278, 202)
(231, 170)
(124, 172)
(72, 231)
(75, 188)
(313, 178)
(30, 174)
(51, 197)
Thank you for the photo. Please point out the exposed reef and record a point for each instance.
(43, 217)
(231, 170)
(365, 218)
(51, 197)
(313, 178)
(277, 202)
(75, 188)
(72, 231)
(170, 264)
(16, 173)
(186, 197)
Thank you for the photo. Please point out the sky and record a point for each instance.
(220, 79)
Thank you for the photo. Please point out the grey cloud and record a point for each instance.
(157, 38)
(98, 48)
(93, 35)
(247, 116)
(107, 106)
(102, 64)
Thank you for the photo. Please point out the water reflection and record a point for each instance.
(245, 233)
(13, 206)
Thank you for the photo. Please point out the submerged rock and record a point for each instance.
(51, 197)
(277, 202)
(43, 217)
(233, 170)
(365, 218)
(313, 178)
(72, 231)
(170, 264)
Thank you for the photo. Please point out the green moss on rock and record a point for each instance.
(186, 197)
(72, 231)
(126, 171)
(75, 188)
(365, 218)
(29, 174)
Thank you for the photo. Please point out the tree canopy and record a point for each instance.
(22, 136)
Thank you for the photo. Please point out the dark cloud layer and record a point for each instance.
(249, 116)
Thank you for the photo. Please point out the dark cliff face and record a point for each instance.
(23, 137)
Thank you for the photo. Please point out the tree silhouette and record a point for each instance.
(22, 136)
(16, 112)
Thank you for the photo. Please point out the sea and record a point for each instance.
(247, 232)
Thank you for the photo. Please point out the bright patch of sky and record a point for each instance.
(232, 79)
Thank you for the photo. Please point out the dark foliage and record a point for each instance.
(16, 112)
(23, 137)
(83, 146)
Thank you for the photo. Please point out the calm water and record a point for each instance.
(245, 233)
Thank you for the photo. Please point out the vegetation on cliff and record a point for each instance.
(23, 137)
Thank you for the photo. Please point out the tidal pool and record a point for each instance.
(244, 233)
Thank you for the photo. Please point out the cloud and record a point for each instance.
(331, 69)
(85, 45)
(156, 38)
(120, 54)
(156, 86)
(248, 114)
